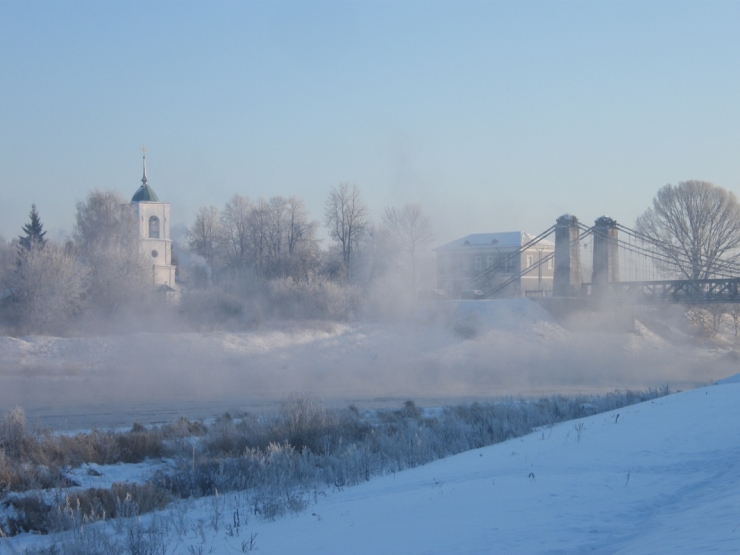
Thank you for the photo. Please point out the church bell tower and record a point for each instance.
(153, 226)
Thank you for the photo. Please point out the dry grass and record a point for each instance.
(276, 461)
(34, 514)
(33, 459)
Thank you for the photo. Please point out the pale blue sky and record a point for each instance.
(496, 116)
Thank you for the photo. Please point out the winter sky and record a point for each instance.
(496, 116)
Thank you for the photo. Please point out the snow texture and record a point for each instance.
(659, 477)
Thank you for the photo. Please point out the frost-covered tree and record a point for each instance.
(48, 288)
(346, 218)
(105, 235)
(270, 238)
(8, 257)
(301, 242)
(291, 239)
(206, 234)
(102, 220)
(412, 231)
(236, 237)
(696, 225)
(120, 279)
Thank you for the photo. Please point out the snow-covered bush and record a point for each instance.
(216, 307)
(314, 298)
(48, 288)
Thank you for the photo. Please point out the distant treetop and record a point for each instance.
(34, 231)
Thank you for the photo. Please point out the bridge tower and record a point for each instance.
(568, 277)
(606, 251)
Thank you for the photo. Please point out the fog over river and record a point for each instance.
(477, 351)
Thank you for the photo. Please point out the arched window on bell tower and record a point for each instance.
(154, 227)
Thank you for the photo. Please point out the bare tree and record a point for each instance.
(235, 222)
(291, 238)
(259, 220)
(273, 238)
(302, 245)
(376, 258)
(277, 222)
(300, 228)
(696, 225)
(346, 217)
(412, 231)
(205, 235)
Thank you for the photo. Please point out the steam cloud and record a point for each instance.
(446, 352)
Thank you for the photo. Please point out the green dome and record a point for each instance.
(145, 194)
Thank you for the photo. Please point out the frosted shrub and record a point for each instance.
(14, 439)
(315, 297)
(49, 288)
(304, 422)
(209, 308)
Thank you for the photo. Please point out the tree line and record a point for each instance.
(275, 238)
(257, 258)
(246, 257)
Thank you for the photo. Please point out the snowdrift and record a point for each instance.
(659, 477)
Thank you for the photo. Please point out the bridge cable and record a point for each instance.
(536, 266)
(679, 254)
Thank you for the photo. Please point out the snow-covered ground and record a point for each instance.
(448, 353)
(658, 477)
(662, 477)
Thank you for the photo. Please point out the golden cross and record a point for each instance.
(143, 149)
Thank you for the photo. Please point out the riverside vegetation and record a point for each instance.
(270, 466)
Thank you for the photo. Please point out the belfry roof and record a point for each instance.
(144, 193)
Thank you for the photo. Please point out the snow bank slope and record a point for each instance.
(661, 478)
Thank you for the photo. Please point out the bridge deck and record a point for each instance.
(670, 291)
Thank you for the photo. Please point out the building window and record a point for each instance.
(530, 261)
(508, 266)
(155, 254)
(489, 261)
(466, 264)
(154, 227)
(478, 263)
(448, 266)
(551, 263)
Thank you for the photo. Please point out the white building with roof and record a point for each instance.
(481, 260)
(153, 227)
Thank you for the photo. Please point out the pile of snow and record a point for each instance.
(92, 475)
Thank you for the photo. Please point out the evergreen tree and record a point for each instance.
(33, 230)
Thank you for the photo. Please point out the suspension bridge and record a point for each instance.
(626, 267)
